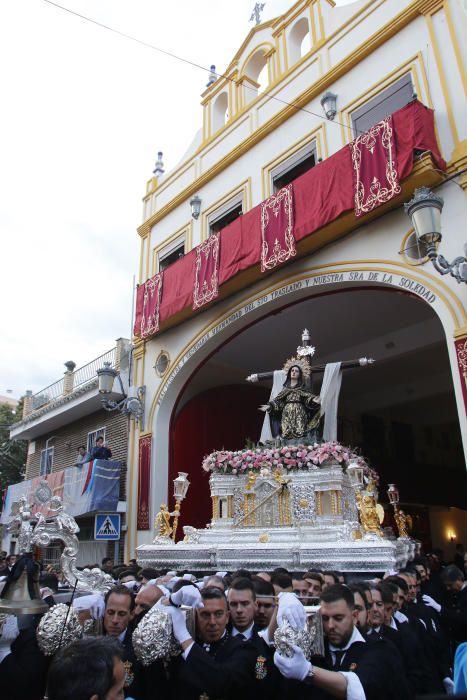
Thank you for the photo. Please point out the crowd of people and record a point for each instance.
(400, 636)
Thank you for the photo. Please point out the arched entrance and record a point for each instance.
(401, 411)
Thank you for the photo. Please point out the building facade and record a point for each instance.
(213, 308)
(58, 420)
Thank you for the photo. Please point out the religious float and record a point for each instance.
(292, 500)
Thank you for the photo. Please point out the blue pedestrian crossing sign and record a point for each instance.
(107, 526)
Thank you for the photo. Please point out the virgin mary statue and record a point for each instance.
(294, 412)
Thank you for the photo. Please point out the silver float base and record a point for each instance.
(285, 548)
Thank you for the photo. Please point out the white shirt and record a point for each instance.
(248, 633)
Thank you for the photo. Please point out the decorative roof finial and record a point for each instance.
(256, 14)
(212, 76)
(159, 167)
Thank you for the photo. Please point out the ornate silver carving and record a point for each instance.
(58, 627)
(57, 526)
(285, 636)
(303, 503)
(191, 534)
(152, 637)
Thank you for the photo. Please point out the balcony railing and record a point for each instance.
(82, 376)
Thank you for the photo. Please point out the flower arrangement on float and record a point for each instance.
(288, 457)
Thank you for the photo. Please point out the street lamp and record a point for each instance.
(181, 486)
(195, 204)
(329, 104)
(133, 406)
(425, 211)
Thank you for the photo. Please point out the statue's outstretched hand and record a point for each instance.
(265, 407)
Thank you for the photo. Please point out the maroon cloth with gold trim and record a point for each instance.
(320, 196)
(206, 284)
(461, 354)
(149, 301)
(144, 481)
(374, 167)
(277, 229)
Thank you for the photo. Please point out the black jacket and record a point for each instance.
(226, 672)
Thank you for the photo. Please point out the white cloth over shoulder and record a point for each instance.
(329, 398)
(277, 386)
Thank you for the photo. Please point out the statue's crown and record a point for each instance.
(297, 362)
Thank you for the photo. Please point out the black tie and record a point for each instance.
(338, 657)
(240, 636)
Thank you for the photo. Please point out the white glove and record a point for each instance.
(448, 685)
(187, 595)
(291, 608)
(296, 667)
(94, 603)
(431, 602)
(180, 631)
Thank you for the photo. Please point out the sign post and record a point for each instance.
(107, 526)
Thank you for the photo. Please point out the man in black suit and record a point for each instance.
(355, 668)
(404, 647)
(454, 608)
(140, 682)
(242, 605)
(216, 665)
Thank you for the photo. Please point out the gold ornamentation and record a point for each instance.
(403, 522)
(319, 502)
(378, 194)
(297, 362)
(252, 476)
(271, 206)
(215, 507)
(209, 248)
(230, 507)
(366, 504)
(356, 535)
(336, 507)
(162, 522)
(264, 538)
(303, 503)
(380, 511)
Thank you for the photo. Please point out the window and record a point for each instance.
(170, 251)
(47, 461)
(294, 166)
(225, 214)
(384, 103)
(169, 258)
(92, 437)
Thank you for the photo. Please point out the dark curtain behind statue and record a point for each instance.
(223, 417)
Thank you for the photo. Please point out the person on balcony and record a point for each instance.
(100, 450)
(83, 456)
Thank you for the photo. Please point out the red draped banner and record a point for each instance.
(374, 167)
(461, 354)
(206, 285)
(144, 481)
(320, 196)
(150, 311)
(277, 229)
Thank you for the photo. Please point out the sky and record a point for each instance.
(84, 112)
